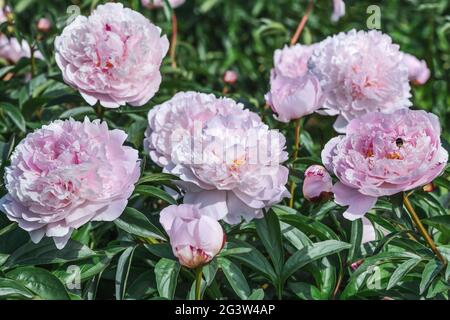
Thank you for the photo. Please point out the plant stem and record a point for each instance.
(302, 23)
(173, 45)
(198, 283)
(298, 124)
(421, 228)
(33, 63)
(279, 290)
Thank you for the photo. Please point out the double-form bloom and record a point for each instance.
(195, 238)
(418, 71)
(360, 72)
(318, 184)
(294, 92)
(152, 4)
(112, 56)
(384, 154)
(66, 174)
(227, 158)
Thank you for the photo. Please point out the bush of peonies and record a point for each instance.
(225, 171)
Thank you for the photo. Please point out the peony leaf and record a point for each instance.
(166, 273)
(45, 252)
(235, 277)
(136, 223)
(40, 281)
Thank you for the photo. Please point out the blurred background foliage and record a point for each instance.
(214, 36)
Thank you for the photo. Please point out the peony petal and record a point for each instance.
(358, 203)
(210, 203)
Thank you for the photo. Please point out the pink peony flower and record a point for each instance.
(294, 92)
(230, 77)
(228, 159)
(12, 50)
(317, 185)
(152, 4)
(338, 10)
(112, 56)
(418, 71)
(66, 174)
(360, 72)
(44, 25)
(383, 154)
(195, 238)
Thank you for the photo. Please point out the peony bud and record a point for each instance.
(418, 72)
(153, 4)
(230, 77)
(44, 25)
(318, 184)
(430, 187)
(195, 238)
(338, 10)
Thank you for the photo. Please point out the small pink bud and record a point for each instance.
(195, 238)
(356, 264)
(44, 25)
(418, 72)
(429, 187)
(230, 77)
(318, 184)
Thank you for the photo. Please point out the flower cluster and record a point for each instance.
(227, 158)
(112, 56)
(66, 174)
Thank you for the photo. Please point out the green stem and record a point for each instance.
(296, 148)
(279, 290)
(421, 228)
(198, 283)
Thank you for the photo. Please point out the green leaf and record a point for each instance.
(357, 278)
(40, 281)
(45, 252)
(235, 277)
(258, 294)
(157, 178)
(355, 240)
(431, 270)
(253, 259)
(402, 271)
(166, 273)
(155, 192)
(122, 272)
(162, 250)
(12, 289)
(305, 291)
(8, 228)
(269, 232)
(136, 223)
(439, 222)
(14, 114)
(76, 112)
(311, 253)
(304, 224)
